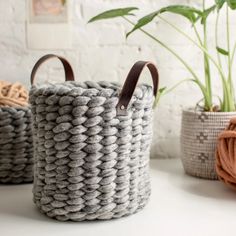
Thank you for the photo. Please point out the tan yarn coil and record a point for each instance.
(13, 94)
(226, 155)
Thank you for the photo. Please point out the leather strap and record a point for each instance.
(131, 83)
(69, 75)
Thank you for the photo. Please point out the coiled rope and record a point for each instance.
(13, 94)
(225, 155)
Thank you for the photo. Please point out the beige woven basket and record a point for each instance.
(199, 134)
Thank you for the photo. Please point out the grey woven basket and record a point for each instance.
(198, 141)
(16, 147)
(92, 146)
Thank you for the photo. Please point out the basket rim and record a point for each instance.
(16, 108)
(100, 88)
(192, 110)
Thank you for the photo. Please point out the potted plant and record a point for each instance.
(200, 126)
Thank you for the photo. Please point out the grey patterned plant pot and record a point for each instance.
(199, 134)
(16, 145)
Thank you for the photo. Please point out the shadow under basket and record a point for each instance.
(16, 145)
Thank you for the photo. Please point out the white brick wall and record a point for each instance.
(101, 52)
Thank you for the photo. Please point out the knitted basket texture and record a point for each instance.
(16, 145)
(90, 162)
(199, 135)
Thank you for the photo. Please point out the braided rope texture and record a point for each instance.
(199, 133)
(90, 163)
(225, 155)
(13, 94)
(16, 145)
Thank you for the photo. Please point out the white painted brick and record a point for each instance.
(101, 52)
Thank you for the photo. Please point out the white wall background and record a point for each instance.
(101, 52)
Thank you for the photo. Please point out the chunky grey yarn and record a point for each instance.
(90, 163)
(16, 145)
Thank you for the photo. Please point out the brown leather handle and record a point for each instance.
(67, 67)
(131, 82)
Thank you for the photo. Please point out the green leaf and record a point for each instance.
(159, 95)
(188, 12)
(206, 13)
(232, 4)
(222, 51)
(113, 13)
(161, 90)
(219, 3)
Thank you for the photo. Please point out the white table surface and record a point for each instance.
(179, 205)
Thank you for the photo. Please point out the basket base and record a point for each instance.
(194, 170)
(96, 216)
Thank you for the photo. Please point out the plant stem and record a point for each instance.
(206, 59)
(224, 103)
(171, 89)
(216, 38)
(227, 102)
(233, 53)
(197, 34)
(176, 85)
(231, 98)
(228, 43)
(196, 79)
(199, 46)
(167, 48)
